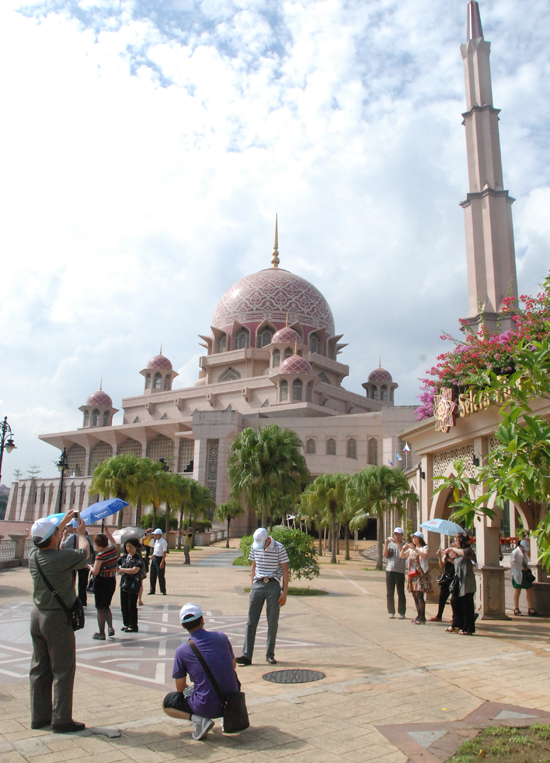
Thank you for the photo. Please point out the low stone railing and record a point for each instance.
(14, 552)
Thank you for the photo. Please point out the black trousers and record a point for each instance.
(464, 616)
(157, 572)
(83, 576)
(128, 604)
(443, 597)
(396, 580)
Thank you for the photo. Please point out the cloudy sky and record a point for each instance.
(147, 146)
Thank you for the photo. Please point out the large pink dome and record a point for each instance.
(295, 365)
(159, 361)
(273, 295)
(101, 399)
(380, 375)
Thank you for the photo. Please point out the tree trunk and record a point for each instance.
(227, 541)
(167, 526)
(333, 556)
(265, 518)
(346, 531)
(320, 539)
(338, 529)
(138, 513)
(380, 537)
(154, 515)
(180, 526)
(119, 519)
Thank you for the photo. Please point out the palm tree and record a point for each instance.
(265, 465)
(311, 510)
(328, 494)
(199, 502)
(124, 476)
(226, 512)
(181, 487)
(374, 491)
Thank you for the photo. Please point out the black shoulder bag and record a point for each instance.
(76, 613)
(235, 714)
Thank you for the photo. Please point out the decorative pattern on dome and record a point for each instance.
(286, 335)
(380, 375)
(159, 361)
(100, 398)
(273, 294)
(295, 365)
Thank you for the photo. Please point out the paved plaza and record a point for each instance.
(393, 691)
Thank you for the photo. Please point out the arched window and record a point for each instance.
(95, 418)
(86, 418)
(242, 339)
(324, 378)
(310, 445)
(288, 353)
(106, 419)
(147, 381)
(157, 381)
(314, 344)
(297, 389)
(229, 375)
(276, 358)
(331, 446)
(167, 381)
(373, 451)
(391, 395)
(352, 448)
(222, 343)
(383, 392)
(375, 393)
(309, 392)
(283, 391)
(265, 337)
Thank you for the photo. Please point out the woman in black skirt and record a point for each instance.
(131, 568)
(104, 569)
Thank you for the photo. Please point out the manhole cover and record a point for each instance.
(293, 676)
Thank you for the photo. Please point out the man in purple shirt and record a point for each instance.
(200, 703)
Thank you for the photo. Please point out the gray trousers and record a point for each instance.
(53, 667)
(262, 592)
(186, 554)
(396, 580)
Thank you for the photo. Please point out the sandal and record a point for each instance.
(99, 636)
(111, 632)
(517, 613)
(450, 629)
(465, 633)
(534, 613)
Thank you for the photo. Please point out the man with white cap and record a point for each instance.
(53, 662)
(201, 702)
(158, 563)
(269, 564)
(395, 574)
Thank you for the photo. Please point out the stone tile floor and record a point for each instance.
(380, 674)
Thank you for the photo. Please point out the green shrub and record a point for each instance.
(147, 521)
(300, 548)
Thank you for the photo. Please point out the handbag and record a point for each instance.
(235, 713)
(76, 613)
(131, 583)
(529, 576)
(91, 584)
(414, 573)
(454, 587)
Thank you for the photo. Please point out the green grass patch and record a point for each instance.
(240, 561)
(506, 745)
(294, 591)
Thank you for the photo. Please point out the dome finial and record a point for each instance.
(101, 385)
(379, 362)
(160, 353)
(275, 258)
(286, 324)
(295, 346)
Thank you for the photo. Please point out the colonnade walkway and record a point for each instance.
(381, 675)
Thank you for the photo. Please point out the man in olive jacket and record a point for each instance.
(53, 662)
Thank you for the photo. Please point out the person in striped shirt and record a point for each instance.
(269, 566)
(104, 569)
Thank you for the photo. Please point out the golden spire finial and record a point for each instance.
(286, 321)
(379, 362)
(275, 258)
(101, 385)
(160, 353)
(295, 346)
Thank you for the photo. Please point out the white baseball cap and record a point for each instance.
(260, 537)
(158, 531)
(398, 530)
(419, 534)
(42, 530)
(190, 612)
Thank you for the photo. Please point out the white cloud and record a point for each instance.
(149, 147)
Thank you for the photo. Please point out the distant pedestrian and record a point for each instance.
(269, 565)
(418, 573)
(187, 543)
(131, 567)
(463, 587)
(53, 661)
(104, 570)
(158, 563)
(522, 577)
(446, 558)
(395, 574)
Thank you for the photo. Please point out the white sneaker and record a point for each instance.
(202, 727)
(401, 617)
(391, 617)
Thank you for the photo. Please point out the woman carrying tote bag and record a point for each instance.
(130, 568)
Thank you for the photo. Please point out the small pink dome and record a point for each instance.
(380, 375)
(286, 335)
(159, 361)
(101, 399)
(295, 365)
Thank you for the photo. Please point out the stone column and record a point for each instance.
(19, 539)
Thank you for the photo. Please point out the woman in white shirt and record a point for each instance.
(418, 573)
(522, 577)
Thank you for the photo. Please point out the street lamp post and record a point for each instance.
(63, 466)
(6, 442)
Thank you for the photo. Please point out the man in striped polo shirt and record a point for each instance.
(269, 564)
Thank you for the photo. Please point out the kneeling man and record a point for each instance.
(200, 703)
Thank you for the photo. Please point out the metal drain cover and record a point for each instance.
(293, 676)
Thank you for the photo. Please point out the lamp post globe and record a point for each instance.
(6, 441)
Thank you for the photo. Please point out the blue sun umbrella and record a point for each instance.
(443, 527)
(58, 517)
(102, 510)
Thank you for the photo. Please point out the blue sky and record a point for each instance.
(148, 146)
